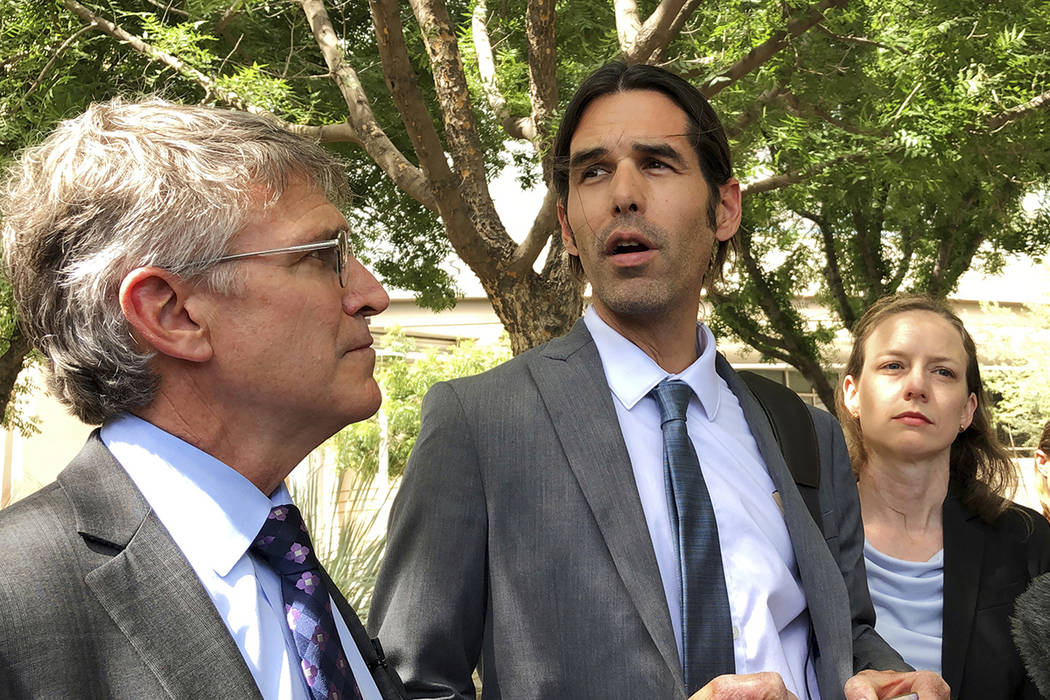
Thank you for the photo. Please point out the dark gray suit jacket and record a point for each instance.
(97, 601)
(518, 539)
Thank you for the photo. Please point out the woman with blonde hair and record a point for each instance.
(947, 552)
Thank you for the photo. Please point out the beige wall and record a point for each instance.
(32, 462)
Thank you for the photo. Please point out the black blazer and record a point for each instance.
(985, 568)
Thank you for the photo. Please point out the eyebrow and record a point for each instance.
(660, 150)
(893, 353)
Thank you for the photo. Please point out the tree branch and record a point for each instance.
(628, 23)
(799, 109)
(168, 8)
(776, 182)
(403, 84)
(1014, 113)
(754, 109)
(54, 59)
(907, 251)
(832, 271)
(461, 131)
(543, 77)
(516, 127)
(856, 39)
(544, 226)
(206, 82)
(373, 139)
(661, 42)
(655, 34)
(399, 170)
(757, 56)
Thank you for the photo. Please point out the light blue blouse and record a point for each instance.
(909, 605)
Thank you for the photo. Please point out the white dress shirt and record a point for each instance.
(214, 514)
(766, 601)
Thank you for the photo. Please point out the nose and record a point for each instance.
(915, 386)
(363, 295)
(628, 189)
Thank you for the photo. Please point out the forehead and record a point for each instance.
(923, 332)
(624, 118)
(302, 214)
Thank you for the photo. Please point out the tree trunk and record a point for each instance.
(10, 365)
(535, 308)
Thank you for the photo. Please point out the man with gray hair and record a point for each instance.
(187, 275)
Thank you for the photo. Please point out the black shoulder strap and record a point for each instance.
(794, 432)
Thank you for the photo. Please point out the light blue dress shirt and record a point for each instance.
(909, 605)
(766, 601)
(213, 514)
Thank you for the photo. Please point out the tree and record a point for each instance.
(1018, 377)
(405, 375)
(896, 138)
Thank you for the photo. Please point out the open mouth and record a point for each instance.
(627, 247)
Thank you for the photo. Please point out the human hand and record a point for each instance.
(883, 685)
(749, 686)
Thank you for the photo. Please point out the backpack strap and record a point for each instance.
(795, 434)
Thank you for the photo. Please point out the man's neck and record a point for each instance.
(670, 340)
(263, 455)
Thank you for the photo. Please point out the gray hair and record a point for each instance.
(127, 185)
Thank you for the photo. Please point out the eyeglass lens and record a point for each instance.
(343, 257)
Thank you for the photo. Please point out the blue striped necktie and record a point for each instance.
(707, 631)
(284, 544)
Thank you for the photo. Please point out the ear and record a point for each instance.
(159, 306)
(849, 395)
(1042, 464)
(567, 238)
(727, 216)
(968, 411)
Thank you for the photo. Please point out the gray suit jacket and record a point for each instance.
(97, 600)
(518, 539)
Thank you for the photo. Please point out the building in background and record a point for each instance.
(31, 462)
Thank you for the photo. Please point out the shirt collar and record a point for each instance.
(211, 511)
(632, 374)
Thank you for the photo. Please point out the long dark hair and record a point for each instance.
(705, 133)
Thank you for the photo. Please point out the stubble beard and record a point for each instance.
(646, 296)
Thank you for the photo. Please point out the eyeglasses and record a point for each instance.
(338, 259)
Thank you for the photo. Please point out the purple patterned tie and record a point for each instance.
(285, 545)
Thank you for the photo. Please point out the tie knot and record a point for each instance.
(672, 396)
(284, 543)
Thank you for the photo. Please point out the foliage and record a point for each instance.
(883, 144)
(340, 496)
(405, 375)
(1019, 374)
(342, 532)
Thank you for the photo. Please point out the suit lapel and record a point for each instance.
(386, 679)
(818, 570)
(148, 588)
(963, 554)
(571, 381)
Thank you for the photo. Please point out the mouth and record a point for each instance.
(365, 344)
(628, 249)
(912, 418)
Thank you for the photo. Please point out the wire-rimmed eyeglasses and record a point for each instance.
(338, 259)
